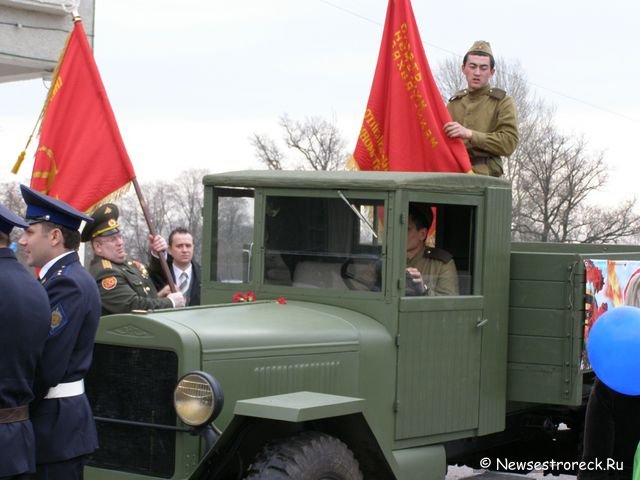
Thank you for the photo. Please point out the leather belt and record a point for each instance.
(478, 160)
(64, 390)
(15, 414)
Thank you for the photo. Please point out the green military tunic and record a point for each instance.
(438, 271)
(125, 287)
(492, 116)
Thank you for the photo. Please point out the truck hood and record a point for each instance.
(267, 327)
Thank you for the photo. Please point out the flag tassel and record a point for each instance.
(18, 163)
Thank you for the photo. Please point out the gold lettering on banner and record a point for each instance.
(373, 140)
(411, 75)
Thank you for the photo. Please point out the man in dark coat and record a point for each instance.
(61, 414)
(24, 319)
(184, 269)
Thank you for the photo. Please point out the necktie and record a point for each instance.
(184, 283)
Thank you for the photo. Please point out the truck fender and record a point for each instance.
(299, 406)
(258, 421)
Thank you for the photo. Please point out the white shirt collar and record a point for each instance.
(45, 268)
(177, 271)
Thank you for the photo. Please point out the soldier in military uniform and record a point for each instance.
(484, 117)
(24, 318)
(124, 284)
(61, 415)
(430, 271)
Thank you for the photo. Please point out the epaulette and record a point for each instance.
(459, 94)
(497, 93)
(106, 263)
(57, 273)
(438, 254)
(60, 271)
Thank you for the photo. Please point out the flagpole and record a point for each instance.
(152, 231)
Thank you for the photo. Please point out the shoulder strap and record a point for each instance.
(459, 94)
(497, 93)
(438, 254)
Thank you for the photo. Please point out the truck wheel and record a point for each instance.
(307, 456)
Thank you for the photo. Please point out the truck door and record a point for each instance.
(440, 331)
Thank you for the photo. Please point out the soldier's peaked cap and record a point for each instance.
(481, 46)
(105, 222)
(43, 208)
(8, 220)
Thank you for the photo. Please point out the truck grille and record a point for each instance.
(133, 384)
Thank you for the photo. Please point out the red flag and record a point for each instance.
(81, 157)
(402, 127)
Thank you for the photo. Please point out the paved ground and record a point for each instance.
(458, 473)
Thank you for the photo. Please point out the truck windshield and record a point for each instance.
(324, 242)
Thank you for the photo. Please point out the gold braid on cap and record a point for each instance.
(112, 226)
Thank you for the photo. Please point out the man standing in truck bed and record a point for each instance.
(484, 117)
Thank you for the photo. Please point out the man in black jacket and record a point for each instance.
(184, 270)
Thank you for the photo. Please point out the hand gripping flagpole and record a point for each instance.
(152, 231)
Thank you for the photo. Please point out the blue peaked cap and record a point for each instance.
(43, 208)
(8, 220)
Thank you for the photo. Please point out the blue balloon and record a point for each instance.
(613, 346)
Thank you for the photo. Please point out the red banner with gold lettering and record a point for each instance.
(81, 157)
(402, 127)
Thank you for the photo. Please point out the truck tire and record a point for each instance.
(306, 456)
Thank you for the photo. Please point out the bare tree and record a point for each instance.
(186, 198)
(170, 204)
(267, 152)
(556, 176)
(317, 143)
(552, 175)
(610, 226)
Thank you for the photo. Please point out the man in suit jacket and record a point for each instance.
(24, 319)
(61, 415)
(184, 270)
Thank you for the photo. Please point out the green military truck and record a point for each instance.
(310, 360)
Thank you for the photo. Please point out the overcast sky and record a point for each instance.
(189, 82)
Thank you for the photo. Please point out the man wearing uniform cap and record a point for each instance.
(24, 319)
(430, 271)
(484, 117)
(61, 415)
(124, 284)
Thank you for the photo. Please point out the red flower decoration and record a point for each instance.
(281, 301)
(244, 297)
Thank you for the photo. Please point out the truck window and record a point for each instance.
(324, 242)
(445, 259)
(233, 236)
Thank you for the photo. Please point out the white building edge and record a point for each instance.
(33, 32)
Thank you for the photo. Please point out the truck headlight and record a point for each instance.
(198, 398)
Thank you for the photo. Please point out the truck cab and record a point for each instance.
(311, 337)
